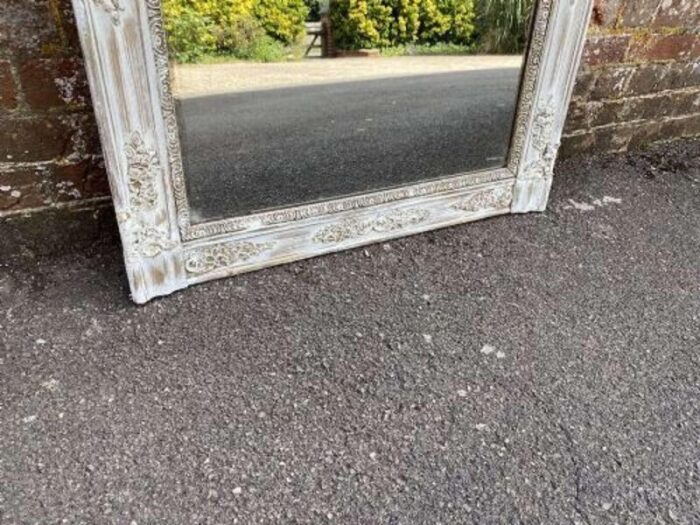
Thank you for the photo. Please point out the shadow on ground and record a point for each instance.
(355, 388)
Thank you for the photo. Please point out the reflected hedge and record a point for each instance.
(361, 24)
(238, 28)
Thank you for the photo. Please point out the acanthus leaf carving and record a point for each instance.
(353, 228)
(146, 237)
(545, 149)
(145, 240)
(490, 199)
(113, 8)
(143, 169)
(224, 255)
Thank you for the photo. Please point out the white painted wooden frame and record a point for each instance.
(127, 64)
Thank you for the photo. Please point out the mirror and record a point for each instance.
(300, 101)
(242, 134)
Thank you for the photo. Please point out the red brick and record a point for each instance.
(644, 134)
(85, 140)
(577, 118)
(648, 78)
(53, 82)
(8, 94)
(678, 13)
(638, 13)
(612, 82)
(605, 49)
(607, 112)
(681, 127)
(666, 47)
(654, 107)
(605, 12)
(23, 188)
(614, 138)
(585, 80)
(575, 145)
(84, 180)
(34, 139)
(680, 75)
(35, 28)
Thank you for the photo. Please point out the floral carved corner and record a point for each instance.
(113, 8)
(491, 199)
(145, 236)
(224, 255)
(545, 148)
(144, 240)
(143, 169)
(354, 228)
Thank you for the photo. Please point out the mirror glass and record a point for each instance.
(287, 102)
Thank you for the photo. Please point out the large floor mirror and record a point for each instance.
(245, 133)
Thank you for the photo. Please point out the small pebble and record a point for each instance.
(487, 349)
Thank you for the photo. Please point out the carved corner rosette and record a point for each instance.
(144, 240)
(224, 255)
(490, 199)
(113, 8)
(355, 228)
(145, 236)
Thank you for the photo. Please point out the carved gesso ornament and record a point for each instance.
(146, 238)
(224, 255)
(142, 172)
(543, 10)
(177, 176)
(113, 8)
(353, 228)
(490, 199)
(545, 149)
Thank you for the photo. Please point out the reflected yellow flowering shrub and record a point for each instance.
(257, 29)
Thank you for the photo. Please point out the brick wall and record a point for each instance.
(49, 149)
(640, 82)
(640, 77)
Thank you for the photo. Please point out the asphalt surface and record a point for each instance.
(522, 369)
(257, 150)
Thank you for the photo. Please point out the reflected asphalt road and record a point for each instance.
(256, 150)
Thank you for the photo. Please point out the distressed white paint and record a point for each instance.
(126, 60)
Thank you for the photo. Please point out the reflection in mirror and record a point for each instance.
(286, 102)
